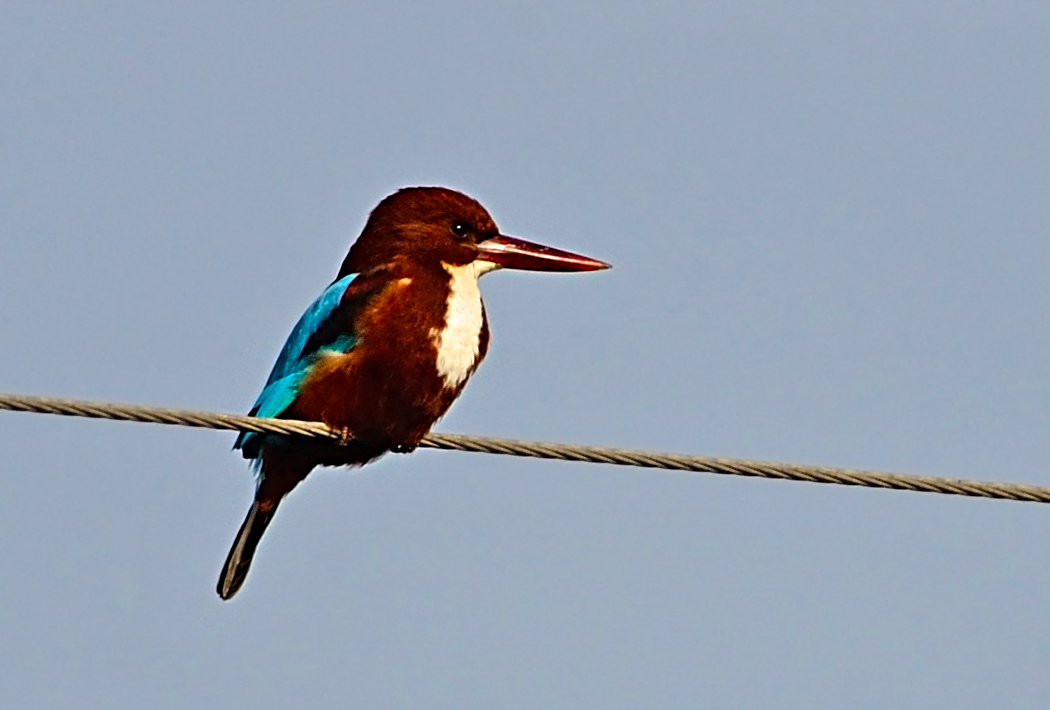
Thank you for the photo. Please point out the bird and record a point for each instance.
(385, 349)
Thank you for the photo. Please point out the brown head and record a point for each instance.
(433, 225)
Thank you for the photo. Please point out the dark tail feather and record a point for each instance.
(240, 558)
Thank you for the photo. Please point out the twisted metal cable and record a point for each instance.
(534, 449)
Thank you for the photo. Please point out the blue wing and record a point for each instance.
(295, 360)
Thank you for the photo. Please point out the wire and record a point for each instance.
(561, 452)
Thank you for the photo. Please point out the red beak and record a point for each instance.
(515, 253)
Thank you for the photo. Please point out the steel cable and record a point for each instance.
(561, 452)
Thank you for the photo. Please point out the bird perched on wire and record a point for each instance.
(385, 349)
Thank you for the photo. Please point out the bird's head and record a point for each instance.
(435, 225)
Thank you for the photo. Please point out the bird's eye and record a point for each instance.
(460, 228)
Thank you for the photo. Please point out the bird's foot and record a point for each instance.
(345, 436)
(403, 449)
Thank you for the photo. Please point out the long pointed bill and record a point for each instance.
(515, 253)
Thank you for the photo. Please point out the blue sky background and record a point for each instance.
(829, 224)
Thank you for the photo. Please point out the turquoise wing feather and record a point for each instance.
(297, 356)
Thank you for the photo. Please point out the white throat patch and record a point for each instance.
(459, 341)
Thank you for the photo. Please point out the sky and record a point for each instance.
(830, 235)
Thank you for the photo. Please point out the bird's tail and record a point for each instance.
(240, 558)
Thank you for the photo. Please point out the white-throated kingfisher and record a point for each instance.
(386, 349)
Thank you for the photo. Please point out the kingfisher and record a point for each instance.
(384, 351)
